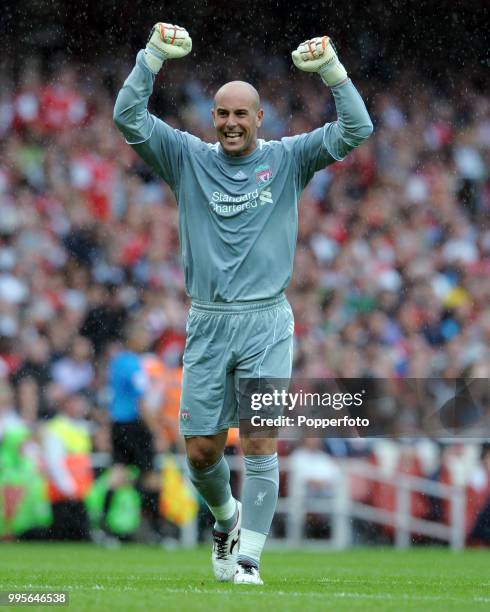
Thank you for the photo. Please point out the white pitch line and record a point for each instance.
(382, 596)
(390, 596)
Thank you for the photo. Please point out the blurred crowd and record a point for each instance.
(391, 275)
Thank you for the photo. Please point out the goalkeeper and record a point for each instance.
(238, 222)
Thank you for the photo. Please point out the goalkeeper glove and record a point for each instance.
(166, 41)
(319, 55)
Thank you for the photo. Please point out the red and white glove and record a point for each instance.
(166, 41)
(319, 55)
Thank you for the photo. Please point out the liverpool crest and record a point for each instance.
(263, 174)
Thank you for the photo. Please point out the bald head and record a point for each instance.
(237, 116)
(237, 91)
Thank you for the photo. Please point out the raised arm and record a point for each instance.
(131, 109)
(353, 125)
(155, 141)
(332, 142)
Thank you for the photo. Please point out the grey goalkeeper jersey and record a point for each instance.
(238, 216)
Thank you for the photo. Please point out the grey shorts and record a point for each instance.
(226, 342)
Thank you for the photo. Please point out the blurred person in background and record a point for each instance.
(106, 317)
(133, 412)
(313, 474)
(480, 490)
(67, 447)
(9, 417)
(31, 380)
(164, 387)
(74, 372)
(25, 509)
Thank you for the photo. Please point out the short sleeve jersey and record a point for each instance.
(128, 382)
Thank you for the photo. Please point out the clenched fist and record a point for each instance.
(166, 41)
(319, 55)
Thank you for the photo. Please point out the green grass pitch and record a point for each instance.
(140, 578)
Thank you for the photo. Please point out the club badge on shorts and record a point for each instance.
(185, 415)
(263, 175)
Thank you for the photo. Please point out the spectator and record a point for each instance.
(480, 532)
(75, 373)
(9, 418)
(32, 379)
(106, 318)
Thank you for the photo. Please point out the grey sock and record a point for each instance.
(259, 499)
(213, 484)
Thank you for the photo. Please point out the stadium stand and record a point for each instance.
(392, 267)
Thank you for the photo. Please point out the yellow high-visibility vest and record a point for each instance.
(76, 438)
